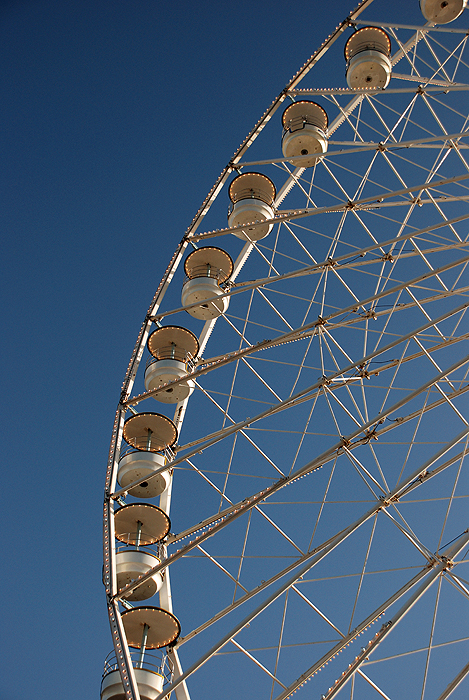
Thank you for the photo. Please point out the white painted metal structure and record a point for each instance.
(206, 269)
(368, 56)
(252, 196)
(442, 11)
(320, 474)
(305, 127)
(173, 352)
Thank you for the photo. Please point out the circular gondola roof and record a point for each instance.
(244, 184)
(173, 335)
(163, 431)
(163, 626)
(155, 524)
(210, 255)
(367, 38)
(305, 108)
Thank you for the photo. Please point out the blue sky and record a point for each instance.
(116, 119)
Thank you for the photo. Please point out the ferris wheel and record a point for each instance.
(287, 485)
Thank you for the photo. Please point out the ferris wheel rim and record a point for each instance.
(320, 325)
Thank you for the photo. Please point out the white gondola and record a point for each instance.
(150, 685)
(442, 11)
(145, 628)
(149, 434)
(367, 53)
(206, 268)
(305, 126)
(252, 200)
(172, 349)
(138, 465)
(132, 563)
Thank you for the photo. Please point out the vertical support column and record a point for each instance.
(139, 534)
(143, 645)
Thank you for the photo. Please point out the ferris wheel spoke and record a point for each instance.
(430, 641)
(413, 104)
(358, 630)
(457, 583)
(373, 146)
(321, 614)
(384, 631)
(432, 29)
(452, 142)
(365, 474)
(273, 307)
(392, 167)
(344, 112)
(450, 403)
(412, 482)
(257, 662)
(453, 491)
(368, 409)
(279, 645)
(459, 61)
(222, 568)
(293, 400)
(454, 683)
(333, 395)
(410, 47)
(241, 432)
(407, 531)
(429, 40)
(389, 132)
(363, 202)
(258, 376)
(370, 682)
(362, 573)
(328, 93)
(247, 504)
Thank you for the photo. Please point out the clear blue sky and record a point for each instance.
(117, 117)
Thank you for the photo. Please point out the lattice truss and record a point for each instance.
(319, 491)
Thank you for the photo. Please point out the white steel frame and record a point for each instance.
(433, 286)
